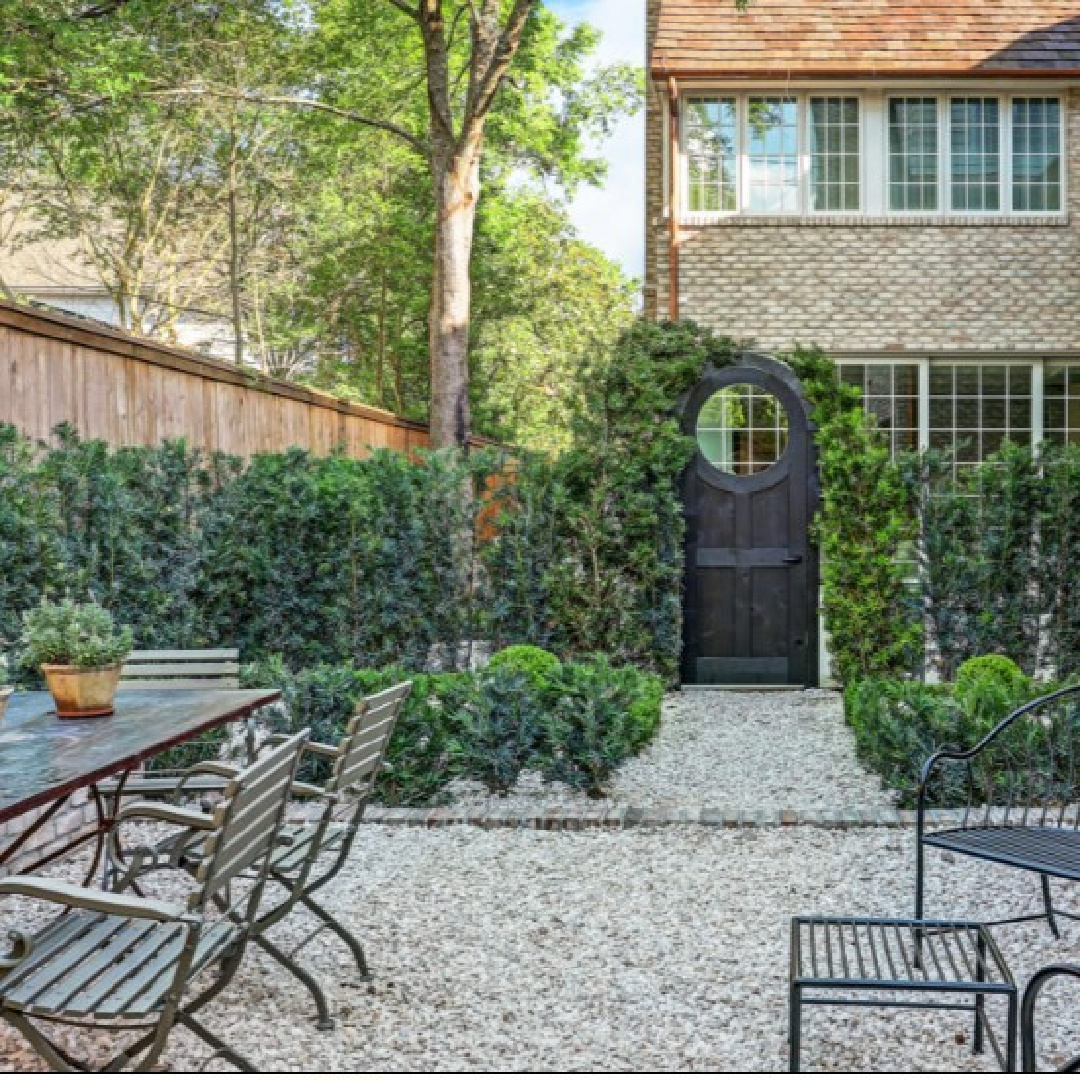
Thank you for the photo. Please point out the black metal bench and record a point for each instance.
(900, 963)
(1031, 997)
(1017, 799)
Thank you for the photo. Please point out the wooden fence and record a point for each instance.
(131, 392)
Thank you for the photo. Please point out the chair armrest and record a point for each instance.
(322, 749)
(164, 812)
(107, 903)
(204, 768)
(309, 791)
(1027, 1012)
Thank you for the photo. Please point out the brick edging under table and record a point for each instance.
(556, 819)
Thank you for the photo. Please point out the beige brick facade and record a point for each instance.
(872, 285)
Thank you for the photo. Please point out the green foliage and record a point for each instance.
(865, 526)
(601, 716)
(994, 668)
(539, 665)
(501, 729)
(589, 552)
(78, 635)
(899, 724)
(486, 726)
(1000, 543)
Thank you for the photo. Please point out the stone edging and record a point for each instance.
(556, 819)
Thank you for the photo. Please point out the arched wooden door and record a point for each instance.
(750, 494)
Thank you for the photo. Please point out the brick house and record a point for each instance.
(895, 180)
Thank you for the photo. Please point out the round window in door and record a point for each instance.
(742, 430)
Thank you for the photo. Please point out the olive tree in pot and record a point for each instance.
(80, 651)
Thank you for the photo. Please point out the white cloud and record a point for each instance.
(613, 217)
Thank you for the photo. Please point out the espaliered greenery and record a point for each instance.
(864, 527)
(1000, 546)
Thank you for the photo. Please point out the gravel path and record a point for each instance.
(756, 751)
(644, 950)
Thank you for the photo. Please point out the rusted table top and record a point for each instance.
(44, 758)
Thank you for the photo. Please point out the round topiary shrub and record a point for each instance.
(990, 669)
(988, 688)
(538, 664)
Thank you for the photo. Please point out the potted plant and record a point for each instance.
(5, 690)
(80, 651)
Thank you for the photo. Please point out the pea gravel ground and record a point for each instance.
(642, 950)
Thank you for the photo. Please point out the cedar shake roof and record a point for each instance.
(781, 38)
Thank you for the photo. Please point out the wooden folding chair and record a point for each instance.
(126, 964)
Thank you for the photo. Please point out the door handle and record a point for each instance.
(793, 560)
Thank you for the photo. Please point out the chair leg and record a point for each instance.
(354, 946)
(57, 1059)
(325, 1021)
(221, 1049)
(795, 1029)
(1048, 903)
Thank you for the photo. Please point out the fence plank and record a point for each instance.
(132, 392)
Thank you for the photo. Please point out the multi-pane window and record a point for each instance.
(975, 153)
(772, 140)
(891, 394)
(1061, 404)
(711, 133)
(970, 409)
(835, 138)
(974, 408)
(815, 153)
(913, 153)
(1036, 154)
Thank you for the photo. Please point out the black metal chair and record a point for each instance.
(1027, 1015)
(1016, 797)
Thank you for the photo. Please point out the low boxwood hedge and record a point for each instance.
(577, 724)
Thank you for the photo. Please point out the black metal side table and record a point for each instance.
(889, 963)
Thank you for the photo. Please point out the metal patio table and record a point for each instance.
(895, 964)
(45, 760)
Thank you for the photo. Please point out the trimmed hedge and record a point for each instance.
(576, 726)
(898, 724)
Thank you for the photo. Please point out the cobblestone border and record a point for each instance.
(556, 819)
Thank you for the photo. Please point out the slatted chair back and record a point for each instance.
(248, 819)
(183, 669)
(1024, 773)
(363, 749)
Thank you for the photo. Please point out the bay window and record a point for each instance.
(872, 153)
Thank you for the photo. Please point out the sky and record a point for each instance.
(613, 218)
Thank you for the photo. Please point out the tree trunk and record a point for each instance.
(456, 175)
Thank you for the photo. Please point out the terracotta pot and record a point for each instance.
(5, 697)
(82, 692)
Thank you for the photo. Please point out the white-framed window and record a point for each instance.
(872, 152)
(835, 149)
(970, 407)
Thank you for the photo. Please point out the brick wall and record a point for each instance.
(656, 248)
(73, 819)
(877, 284)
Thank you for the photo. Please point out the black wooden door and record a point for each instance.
(750, 495)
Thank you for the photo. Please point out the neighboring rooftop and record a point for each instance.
(817, 38)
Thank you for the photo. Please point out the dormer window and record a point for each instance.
(871, 153)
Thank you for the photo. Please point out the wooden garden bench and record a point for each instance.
(1016, 796)
(117, 962)
(310, 855)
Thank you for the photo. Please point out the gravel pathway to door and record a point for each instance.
(649, 950)
(748, 751)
